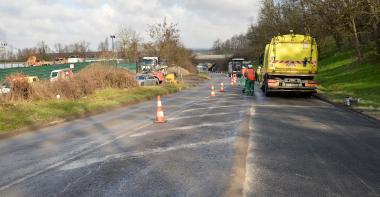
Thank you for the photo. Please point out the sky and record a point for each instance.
(24, 23)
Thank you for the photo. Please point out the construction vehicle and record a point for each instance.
(10, 81)
(56, 75)
(289, 64)
(60, 60)
(171, 78)
(235, 66)
(34, 61)
(74, 59)
(32, 79)
(151, 65)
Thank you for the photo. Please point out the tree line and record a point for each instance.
(42, 50)
(341, 23)
(165, 42)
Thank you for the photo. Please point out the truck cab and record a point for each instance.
(235, 66)
(151, 65)
(56, 75)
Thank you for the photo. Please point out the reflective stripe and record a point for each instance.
(291, 62)
(160, 114)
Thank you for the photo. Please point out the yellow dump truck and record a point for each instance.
(289, 64)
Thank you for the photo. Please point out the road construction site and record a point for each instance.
(228, 144)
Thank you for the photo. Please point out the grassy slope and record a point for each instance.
(25, 114)
(340, 76)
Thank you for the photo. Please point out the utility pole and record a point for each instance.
(3, 47)
(113, 44)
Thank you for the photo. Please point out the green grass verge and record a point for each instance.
(24, 114)
(341, 76)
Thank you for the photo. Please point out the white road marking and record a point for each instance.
(82, 153)
(248, 166)
(293, 106)
(205, 115)
(135, 154)
(186, 128)
(202, 108)
(67, 160)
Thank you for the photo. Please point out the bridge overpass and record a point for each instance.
(219, 61)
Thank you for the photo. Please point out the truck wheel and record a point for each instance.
(307, 94)
(262, 88)
(266, 90)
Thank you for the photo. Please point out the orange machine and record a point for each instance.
(34, 61)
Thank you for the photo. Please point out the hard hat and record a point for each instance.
(249, 65)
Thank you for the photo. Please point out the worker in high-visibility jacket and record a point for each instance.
(250, 82)
(243, 79)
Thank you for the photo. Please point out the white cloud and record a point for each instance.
(24, 23)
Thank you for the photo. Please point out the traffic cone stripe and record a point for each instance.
(160, 117)
(212, 90)
(221, 87)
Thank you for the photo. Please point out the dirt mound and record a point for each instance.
(179, 70)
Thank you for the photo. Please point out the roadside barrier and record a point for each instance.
(160, 117)
(212, 91)
(221, 87)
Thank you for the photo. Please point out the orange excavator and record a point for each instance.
(34, 61)
(151, 65)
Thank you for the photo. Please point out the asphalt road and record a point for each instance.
(230, 145)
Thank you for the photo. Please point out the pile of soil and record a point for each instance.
(178, 70)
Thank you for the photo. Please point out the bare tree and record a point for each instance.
(128, 41)
(58, 48)
(104, 46)
(166, 37)
(374, 14)
(43, 49)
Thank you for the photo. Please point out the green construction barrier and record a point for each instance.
(129, 66)
(43, 72)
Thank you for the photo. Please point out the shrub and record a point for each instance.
(95, 76)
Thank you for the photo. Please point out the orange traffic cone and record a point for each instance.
(160, 118)
(221, 87)
(212, 91)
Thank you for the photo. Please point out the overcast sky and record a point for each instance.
(23, 23)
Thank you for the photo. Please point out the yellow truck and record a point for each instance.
(289, 64)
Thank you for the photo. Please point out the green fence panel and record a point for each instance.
(129, 66)
(43, 72)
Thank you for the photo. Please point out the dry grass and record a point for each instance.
(84, 83)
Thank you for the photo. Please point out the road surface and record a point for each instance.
(230, 145)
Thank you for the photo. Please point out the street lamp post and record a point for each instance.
(3, 47)
(113, 44)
